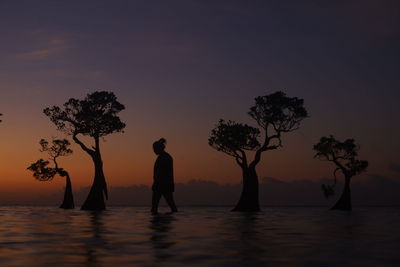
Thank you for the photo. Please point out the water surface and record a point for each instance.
(202, 236)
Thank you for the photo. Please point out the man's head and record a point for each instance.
(159, 146)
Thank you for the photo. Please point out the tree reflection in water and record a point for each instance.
(248, 233)
(96, 241)
(243, 236)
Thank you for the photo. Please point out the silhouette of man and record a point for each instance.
(163, 178)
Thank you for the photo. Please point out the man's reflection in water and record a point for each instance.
(160, 226)
(95, 242)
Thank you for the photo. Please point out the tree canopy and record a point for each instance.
(59, 147)
(278, 111)
(41, 172)
(95, 115)
(232, 138)
(275, 113)
(343, 155)
(40, 169)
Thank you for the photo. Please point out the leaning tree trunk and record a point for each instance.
(95, 199)
(344, 202)
(68, 202)
(249, 198)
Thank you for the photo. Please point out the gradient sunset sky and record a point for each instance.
(180, 66)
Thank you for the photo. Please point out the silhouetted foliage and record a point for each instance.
(0, 116)
(231, 138)
(41, 171)
(275, 114)
(94, 116)
(344, 156)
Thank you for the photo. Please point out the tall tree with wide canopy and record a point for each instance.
(41, 171)
(275, 114)
(344, 156)
(94, 116)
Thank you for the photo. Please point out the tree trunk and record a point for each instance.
(68, 202)
(344, 202)
(249, 198)
(95, 199)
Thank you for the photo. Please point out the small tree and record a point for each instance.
(95, 117)
(41, 171)
(275, 114)
(344, 156)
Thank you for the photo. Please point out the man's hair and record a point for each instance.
(160, 144)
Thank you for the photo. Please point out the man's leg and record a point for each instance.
(169, 197)
(155, 200)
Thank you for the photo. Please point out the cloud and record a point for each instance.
(37, 54)
(54, 47)
(43, 44)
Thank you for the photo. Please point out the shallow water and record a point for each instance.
(203, 236)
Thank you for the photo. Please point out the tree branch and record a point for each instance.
(266, 146)
(240, 163)
(275, 136)
(97, 144)
(243, 157)
(257, 158)
(89, 151)
(344, 170)
(55, 162)
(334, 173)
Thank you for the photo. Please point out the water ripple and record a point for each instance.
(38, 236)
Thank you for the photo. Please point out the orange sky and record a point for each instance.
(128, 157)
